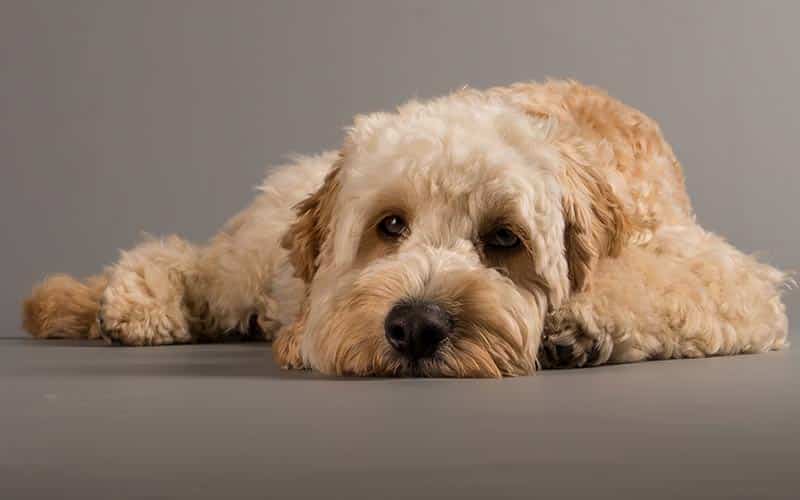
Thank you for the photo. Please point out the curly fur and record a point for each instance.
(612, 265)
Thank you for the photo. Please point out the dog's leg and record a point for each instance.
(244, 281)
(146, 300)
(168, 291)
(686, 293)
(239, 283)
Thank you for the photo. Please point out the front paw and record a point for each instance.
(124, 320)
(286, 349)
(568, 344)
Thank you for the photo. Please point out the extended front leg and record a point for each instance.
(171, 292)
(684, 294)
(146, 300)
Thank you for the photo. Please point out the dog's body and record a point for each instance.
(480, 234)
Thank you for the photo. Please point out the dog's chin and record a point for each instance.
(496, 328)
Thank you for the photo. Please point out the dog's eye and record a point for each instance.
(501, 238)
(392, 226)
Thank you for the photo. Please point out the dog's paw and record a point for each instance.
(286, 349)
(568, 344)
(139, 320)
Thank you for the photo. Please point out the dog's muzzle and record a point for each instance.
(416, 329)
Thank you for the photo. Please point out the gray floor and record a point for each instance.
(83, 420)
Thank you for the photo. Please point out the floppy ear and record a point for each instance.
(306, 235)
(595, 224)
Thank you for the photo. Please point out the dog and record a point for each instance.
(481, 234)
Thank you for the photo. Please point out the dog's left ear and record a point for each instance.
(305, 237)
(596, 225)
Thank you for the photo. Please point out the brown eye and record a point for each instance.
(501, 238)
(392, 226)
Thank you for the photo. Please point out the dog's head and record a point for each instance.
(441, 238)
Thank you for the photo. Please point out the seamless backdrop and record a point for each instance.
(122, 117)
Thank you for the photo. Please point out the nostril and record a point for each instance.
(396, 334)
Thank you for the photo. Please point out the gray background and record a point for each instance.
(119, 117)
(124, 117)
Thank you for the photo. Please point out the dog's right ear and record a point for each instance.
(306, 235)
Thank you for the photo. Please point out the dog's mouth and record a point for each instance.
(462, 354)
(433, 366)
(454, 358)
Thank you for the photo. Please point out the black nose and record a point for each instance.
(416, 329)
